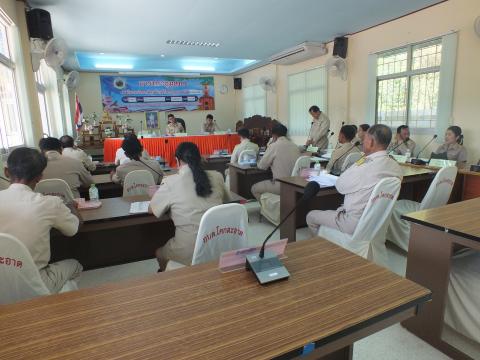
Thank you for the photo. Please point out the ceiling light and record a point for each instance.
(193, 43)
(114, 66)
(102, 53)
(162, 55)
(198, 68)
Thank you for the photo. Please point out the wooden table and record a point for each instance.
(243, 177)
(435, 234)
(103, 168)
(333, 298)
(414, 186)
(216, 162)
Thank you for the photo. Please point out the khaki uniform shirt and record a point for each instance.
(132, 165)
(245, 144)
(121, 158)
(319, 132)
(70, 170)
(454, 152)
(79, 154)
(280, 157)
(177, 194)
(29, 216)
(339, 155)
(402, 149)
(174, 128)
(209, 128)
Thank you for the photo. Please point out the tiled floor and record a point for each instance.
(393, 343)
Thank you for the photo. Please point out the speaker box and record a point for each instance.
(340, 46)
(39, 24)
(237, 83)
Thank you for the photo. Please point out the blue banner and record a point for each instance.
(156, 93)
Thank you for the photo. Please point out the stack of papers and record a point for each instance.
(324, 180)
(140, 207)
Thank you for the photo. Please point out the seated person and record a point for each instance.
(238, 125)
(358, 182)
(453, 146)
(133, 151)
(188, 195)
(361, 131)
(280, 157)
(173, 127)
(29, 216)
(121, 158)
(62, 167)
(345, 147)
(402, 143)
(72, 151)
(209, 126)
(245, 144)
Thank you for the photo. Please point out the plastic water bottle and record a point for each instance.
(93, 193)
(408, 155)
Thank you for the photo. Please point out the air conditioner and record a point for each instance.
(302, 52)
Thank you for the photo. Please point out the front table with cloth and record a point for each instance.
(333, 298)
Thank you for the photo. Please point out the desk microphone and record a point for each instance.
(331, 134)
(266, 266)
(398, 145)
(353, 146)
(155, 171)
(417, 161)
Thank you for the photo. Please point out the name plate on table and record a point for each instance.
(235, 259)
(324, 179)
(180, 134)
(441, 163)
(140, 207)
(312, 149)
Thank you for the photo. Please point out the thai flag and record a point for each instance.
(78, 113)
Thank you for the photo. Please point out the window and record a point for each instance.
(408, 85)
(304, 90)
(11, 133)
(254, 101)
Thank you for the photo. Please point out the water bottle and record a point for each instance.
(93, 193)
(408, 155)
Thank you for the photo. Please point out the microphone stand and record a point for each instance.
(417, 161)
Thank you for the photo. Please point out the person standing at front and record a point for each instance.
(318, 135)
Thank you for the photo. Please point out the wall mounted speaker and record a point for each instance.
(340, 45)
(39, 24)
(237, 83)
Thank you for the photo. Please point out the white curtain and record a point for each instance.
(254, 101)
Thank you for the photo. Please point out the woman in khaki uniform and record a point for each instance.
(453, 146)
(188, 195)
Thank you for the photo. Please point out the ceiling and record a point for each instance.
(107, 32)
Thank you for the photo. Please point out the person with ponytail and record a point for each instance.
(187, 195)
(453, 146)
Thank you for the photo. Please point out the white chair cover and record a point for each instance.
(19, 277)
(437, 195)
(301, 163)
(222, 228)
(137, 182)
(368, 240)
(247, 156)
(351, 159)
(55, 187)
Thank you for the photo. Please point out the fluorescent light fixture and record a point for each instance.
(114, 66)
(198, 68)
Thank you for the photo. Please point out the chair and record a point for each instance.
(437, 195)
(19, 277)
(55, 187)
(351, 159)
(222, 228)
(246, 156)
(301, 163)
(368, 240)
(137, 182)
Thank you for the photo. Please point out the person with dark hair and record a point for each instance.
(239, 124)
(362, 130)
(29, 216)
(210, 125)
(245, 144)
(280, 157)
(318, 135)
(121, 158)
(62, 167)
(345, 138)
(187, 195)
(358, 182)
(72, 151)
(173, 127)
(402, 143)
(453, 146)
(133, 151)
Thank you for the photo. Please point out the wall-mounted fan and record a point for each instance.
(72, 79)
(54, 52)
(267, 83)
(337, 67)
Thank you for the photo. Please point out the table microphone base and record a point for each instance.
(418, 162)
(268, 269)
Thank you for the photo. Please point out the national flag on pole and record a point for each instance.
(78, 113)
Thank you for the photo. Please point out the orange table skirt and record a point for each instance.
(166, 146)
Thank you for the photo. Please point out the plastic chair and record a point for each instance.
(222, 228)
(301, 163)
(55, 187)
(351, 159)
(437, 195)
(137, 182)
(368, 240)
(246, 157)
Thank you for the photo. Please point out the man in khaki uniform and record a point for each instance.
(209, 126)
(174, 127)
(345, 147)
(280, 157)
(358, 182)
(29, 216)
(402, 143)
(318, 135)
(61, 167)
(71, 151)
(245, 144)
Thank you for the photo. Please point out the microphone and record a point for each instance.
(155, 171)
(331, 134)
(266, 266)
(417, 161)
(357, 143)
(398, 145)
